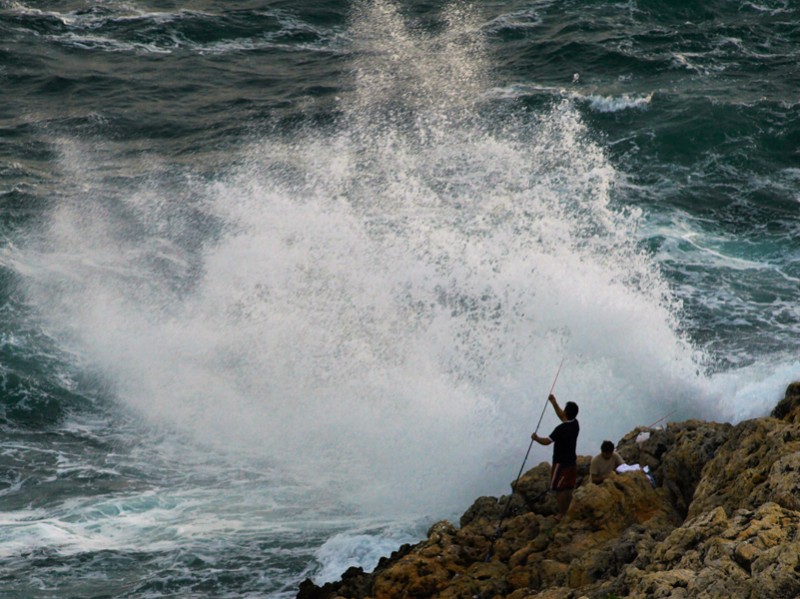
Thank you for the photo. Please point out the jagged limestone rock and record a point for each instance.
(724, 521)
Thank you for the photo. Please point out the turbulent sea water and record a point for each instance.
(285, 282)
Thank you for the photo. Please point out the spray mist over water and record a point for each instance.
(380, 307)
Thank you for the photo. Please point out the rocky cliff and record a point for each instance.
(723, 520)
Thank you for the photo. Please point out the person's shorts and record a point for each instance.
(563, 478)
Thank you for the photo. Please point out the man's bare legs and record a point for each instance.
(563, 499)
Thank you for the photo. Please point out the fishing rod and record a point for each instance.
(527, 453)
(521, 468)
(660, 419)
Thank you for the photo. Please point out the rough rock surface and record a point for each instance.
(722, 521)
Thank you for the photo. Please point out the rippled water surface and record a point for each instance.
(283, 283)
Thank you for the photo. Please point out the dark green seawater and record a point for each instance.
(283, 283)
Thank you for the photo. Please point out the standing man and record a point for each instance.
(564, 471)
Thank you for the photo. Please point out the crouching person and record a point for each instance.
(605, 464)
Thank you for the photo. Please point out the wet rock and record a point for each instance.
(789, 407)
(486, 508)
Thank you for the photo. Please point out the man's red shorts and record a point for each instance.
(563, 478)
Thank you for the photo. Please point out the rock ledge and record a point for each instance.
(722, 521)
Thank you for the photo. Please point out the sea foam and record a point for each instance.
(378, 307)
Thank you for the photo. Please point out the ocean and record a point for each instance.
(284, 283)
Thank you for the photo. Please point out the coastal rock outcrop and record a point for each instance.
(749, 553)
(721, 520)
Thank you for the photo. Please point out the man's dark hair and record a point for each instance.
(571, 410)
(607, 446)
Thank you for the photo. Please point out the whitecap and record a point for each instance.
(619, 103)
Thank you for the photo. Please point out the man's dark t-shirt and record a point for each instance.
(565, 440)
